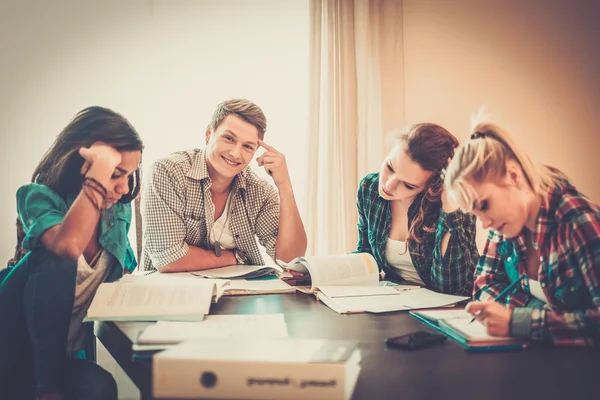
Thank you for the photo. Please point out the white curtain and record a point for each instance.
(356, 96)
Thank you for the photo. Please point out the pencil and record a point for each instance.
(504, 292)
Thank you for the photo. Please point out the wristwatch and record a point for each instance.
(240, 256)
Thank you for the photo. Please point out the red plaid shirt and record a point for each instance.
(567, 236)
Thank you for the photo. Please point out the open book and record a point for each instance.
(358, 269)
(139, 299)
(349, 283)
(457, 324)
(233, 287)
(241, 271)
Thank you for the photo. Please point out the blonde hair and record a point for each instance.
(244, 109)
(484, 158)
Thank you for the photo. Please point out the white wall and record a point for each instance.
(164, 64)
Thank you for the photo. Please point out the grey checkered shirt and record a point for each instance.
(178, 211)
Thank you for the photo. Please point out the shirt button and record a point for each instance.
(508, 259)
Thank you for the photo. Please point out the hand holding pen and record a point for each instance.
(495, 316)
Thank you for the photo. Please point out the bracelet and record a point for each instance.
(91, 198)
(94, 184)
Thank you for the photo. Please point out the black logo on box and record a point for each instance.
(208, 379)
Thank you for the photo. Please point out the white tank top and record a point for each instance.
(402, 263)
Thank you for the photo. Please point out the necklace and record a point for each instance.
(217, 244)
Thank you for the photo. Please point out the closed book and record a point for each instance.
(257, 369)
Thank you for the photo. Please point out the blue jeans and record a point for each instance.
(36, 302)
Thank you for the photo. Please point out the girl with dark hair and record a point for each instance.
(72, 228)
(407, 224)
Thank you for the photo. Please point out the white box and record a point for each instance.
(257, 369)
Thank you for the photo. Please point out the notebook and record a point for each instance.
(457, 324)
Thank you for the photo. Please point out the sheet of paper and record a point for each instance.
(445, 314)
(358, 291)
(259, 286)
(405, 300)
(266, 326)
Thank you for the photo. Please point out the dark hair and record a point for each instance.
(60, 167)
(430, 146)
(244, 109)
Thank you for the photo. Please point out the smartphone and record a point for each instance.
(415, 340)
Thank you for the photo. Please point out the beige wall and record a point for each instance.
(534, 63)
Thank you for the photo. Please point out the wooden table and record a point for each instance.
(441, 372)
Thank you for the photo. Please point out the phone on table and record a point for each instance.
(415, 340)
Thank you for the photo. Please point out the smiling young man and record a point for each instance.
(205, 208)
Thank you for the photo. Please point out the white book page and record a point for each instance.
(147, 298)
(267, 326)
(357, 291)
(340, 270)
(405, 300)
(425, 298)
(259, 286)
(435, 315)
(474, 331)
(375, 304)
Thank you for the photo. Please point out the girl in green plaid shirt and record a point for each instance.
(543, 249)
(407, 224)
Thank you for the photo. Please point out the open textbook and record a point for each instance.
(241, 271)
(139, 299)
(457, 324)
(233, 287)
(349, 283)
(357, 269)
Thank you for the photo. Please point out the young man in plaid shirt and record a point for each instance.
(544, 240)
(206, 208)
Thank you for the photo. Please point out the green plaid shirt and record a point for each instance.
(451, 273)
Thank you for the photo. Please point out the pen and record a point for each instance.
(504, 292)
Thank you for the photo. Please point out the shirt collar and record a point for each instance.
(545, 217)
(199, 172)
